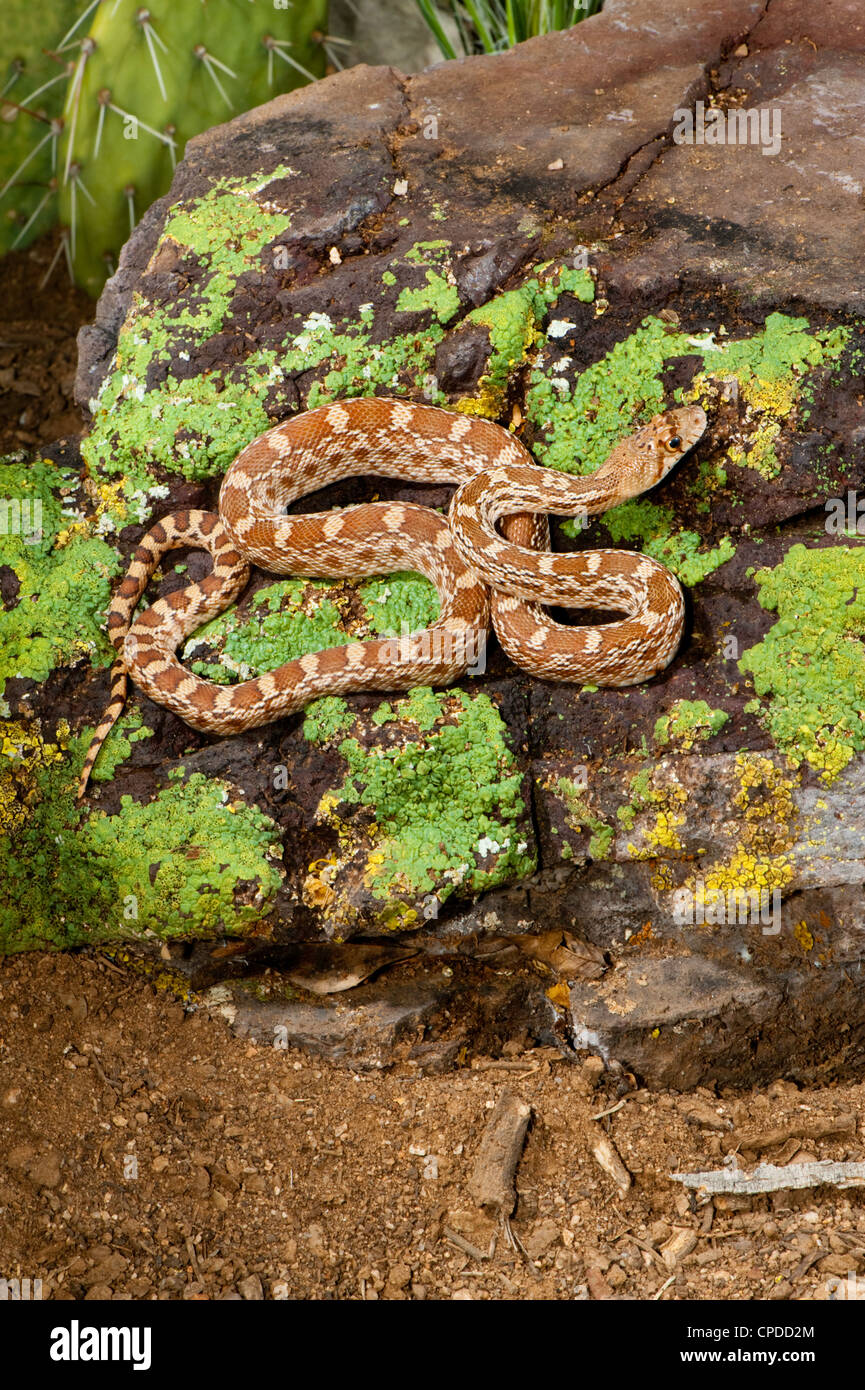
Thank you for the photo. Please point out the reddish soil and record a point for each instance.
(146, 1152)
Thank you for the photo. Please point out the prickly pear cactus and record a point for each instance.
(96, 111)
(31, 81)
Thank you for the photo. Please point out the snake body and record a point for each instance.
(490, 559)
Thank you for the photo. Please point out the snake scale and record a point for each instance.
(490, 560)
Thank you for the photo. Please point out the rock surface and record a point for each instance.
(520, 236)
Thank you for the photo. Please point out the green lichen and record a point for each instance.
(398, 603)
(810, 665)
(326, 718)
(438, 295)
(360, 366)
(212, 671)
(770, 367)
(192, 862)
(689, 721)
(196, 425)
(580, 817)
(64, 573)
(292, 617)
(117, 747)
(785, 347)
(711, 478)
(383, 715)
(442, 803)
(651, 528)
(199, 231)
(513, 320)
(202, 846)
(641, 796)
(286, 620)
(580, 426)
(681, 553)
(626, 387)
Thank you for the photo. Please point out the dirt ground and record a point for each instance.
(148, 1153)
(145, 1152)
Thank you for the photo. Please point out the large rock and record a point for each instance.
(524, 236)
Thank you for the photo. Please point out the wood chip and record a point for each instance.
(787, 1151)
(606, 1154)
(602, 1114)
(681, 1243)
(492, 1182)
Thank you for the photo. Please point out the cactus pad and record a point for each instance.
(136, 82)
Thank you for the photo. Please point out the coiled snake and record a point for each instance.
(480, 572)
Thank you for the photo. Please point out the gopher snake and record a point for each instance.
(479, 571)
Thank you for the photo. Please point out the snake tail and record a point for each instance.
(186, 528)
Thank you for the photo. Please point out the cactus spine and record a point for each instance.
(91, 129)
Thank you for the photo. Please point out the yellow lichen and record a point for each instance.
(744, 873)
(662, 877)
(22, 753)
(668, 802)
(803, 936)
(760, 863)
(317, 891)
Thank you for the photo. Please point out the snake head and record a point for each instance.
(667, 437)
(640, 462)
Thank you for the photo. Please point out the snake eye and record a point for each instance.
(675, 442)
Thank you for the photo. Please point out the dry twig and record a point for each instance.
(492, 1182)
